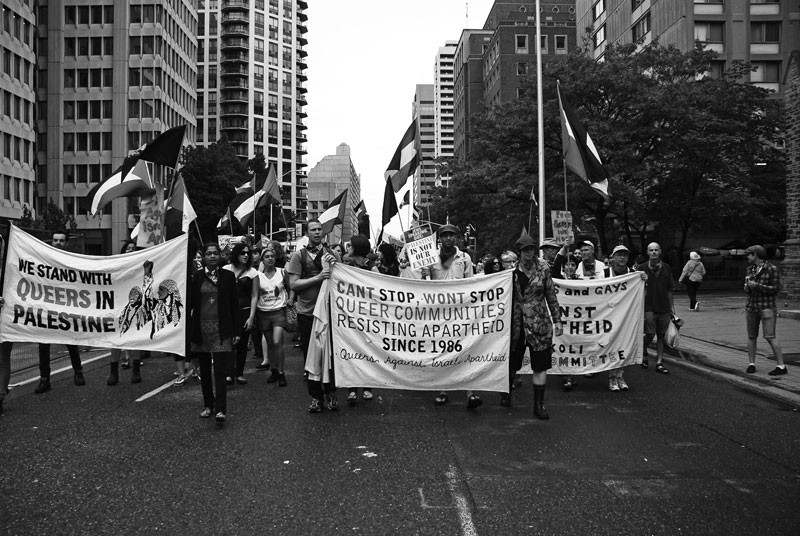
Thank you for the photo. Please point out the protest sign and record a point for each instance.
(562, 226)
(420, 335)
(228, 241)
(151, 220)
(420, 247)
(133, 301)
(603, 324)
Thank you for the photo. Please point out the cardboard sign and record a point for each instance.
(420, 247)
(562, 226)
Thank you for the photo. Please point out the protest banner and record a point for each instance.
(151, 220)
(420, 247)
(603, 321)
(417, 334)
(228, 241)
(562, 226)
(133, 301)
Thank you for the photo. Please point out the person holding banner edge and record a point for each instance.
(214, 327)
(536, 317)
(59, 241)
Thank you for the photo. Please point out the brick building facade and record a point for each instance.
(790, 267)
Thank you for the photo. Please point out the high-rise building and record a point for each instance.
(423, 112)
(250, 74)
(17, 106)
(112, 75)
(761, 32)
(442, 110)
(490, 64)
(330, 177)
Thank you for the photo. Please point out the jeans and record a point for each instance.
(222, 364)
(691, 289)
(44, 359)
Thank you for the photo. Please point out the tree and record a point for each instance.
(50, 218)
(211, 175)
(675, 142)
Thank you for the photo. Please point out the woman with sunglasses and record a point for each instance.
(247, 295)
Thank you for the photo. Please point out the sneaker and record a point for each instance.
(229, 380)
(194, 375)
(78, 378)
(126, 364)
(273, 377)
(262, 366)
(241, 380)
(367, 395)
(43, 387)
(777, 371)
(473, 401)
(181, 379)
(331, 402)
(316, 406)
(697, 306)
(281, 380)
(751, 368)
(206, 413)
(220, 416)
(352, 397)
(613, 385)
(567, 385)
(623, 385)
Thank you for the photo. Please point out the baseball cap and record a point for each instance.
(525, 241)
(549, 243)
(587, 243)
(619, 248)
(447, 228)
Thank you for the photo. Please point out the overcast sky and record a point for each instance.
(365, 58)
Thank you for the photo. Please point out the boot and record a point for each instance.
(113, 375)
(538, 403)
(136, 376)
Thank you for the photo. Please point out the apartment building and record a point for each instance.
(326, 180)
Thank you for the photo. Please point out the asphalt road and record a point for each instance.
(678, 454)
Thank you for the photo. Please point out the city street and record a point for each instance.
(678, 454)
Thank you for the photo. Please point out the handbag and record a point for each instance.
(291, 318)
(673, 336)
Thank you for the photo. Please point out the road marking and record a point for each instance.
(462, 505)
(155, 391)
(83, 362)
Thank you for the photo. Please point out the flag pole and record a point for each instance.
(197, 227)
(564, 164)
(540, 113)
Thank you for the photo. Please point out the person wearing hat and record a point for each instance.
(589, 267)
(762, 283)
(536, 317)
(693, 274)
(552, 253)
(452, 264)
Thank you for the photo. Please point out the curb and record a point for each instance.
(697, 363)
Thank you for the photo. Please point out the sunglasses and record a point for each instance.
(244, 253)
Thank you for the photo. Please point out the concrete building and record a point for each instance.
(442, 109)
(423, 112)
(17, 108)
(490, 64)
(330, 177)
(250, 73)
(761, 32)
(111, 77)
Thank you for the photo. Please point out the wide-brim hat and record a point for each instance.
(549, 243)
(525, 241)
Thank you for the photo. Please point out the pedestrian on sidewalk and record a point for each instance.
(659, 306)
(762, 283)
(692, 275)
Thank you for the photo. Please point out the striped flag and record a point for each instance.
(225, 221)
(405, 160)
(179, 208)
(389, 204)
(580, 153)
(335, 213)
(269, 191)
(135, 182)
(163, 150)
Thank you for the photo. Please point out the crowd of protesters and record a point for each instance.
(243, 297)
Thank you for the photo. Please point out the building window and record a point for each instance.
(766, 71)
(641, 28)
(561, 44)
(544, 44)
(522, 68)
(709, 32)
(599, 36)
(765, 32)
(522, 44)
(598, 9)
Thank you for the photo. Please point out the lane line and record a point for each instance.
(53, 372)
(462, 505)
(155, 391)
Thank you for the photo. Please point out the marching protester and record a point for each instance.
(59, 241)
(618, 266)
(359, 249)
(693, 274)
(214, 328)
(387, 260)
(536, 316)
(491, 265)
(761, 284)
(589, 267)
(247, 295)
(658, 304)
(554, 254)
(272, 298)
(114, 360)
(308, 268)
(451, 264)
(508, 259)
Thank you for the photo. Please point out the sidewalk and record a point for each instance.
(714, 340)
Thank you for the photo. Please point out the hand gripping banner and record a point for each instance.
(134, 301)
(420, 335)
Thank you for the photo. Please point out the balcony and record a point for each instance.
(302, 4)
(301, 64)
(235, 109)
(301, 75)
(234, 71)
(235, 83)
(301, 100)
(233, 124)
(302, 138)
(299, 123)
(235, 57)
(301, 28)
(233, 95)
(235, 5)
(233, 30)
(237, 136)
(301, 15)
(301, 149)
(235, 42)
(301, 40)
(235, 17)
(301, 113)
(301, 53)
(301, 89)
